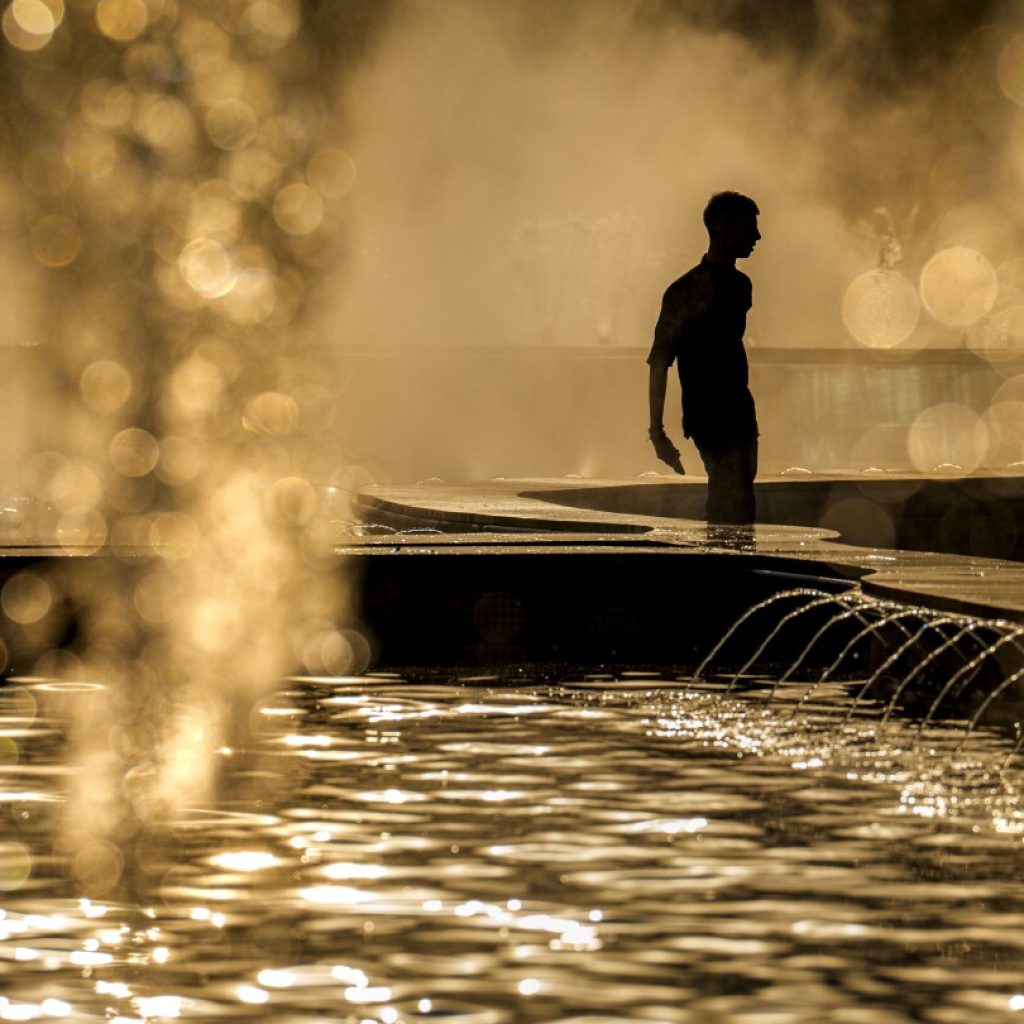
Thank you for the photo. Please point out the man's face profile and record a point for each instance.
(738, 234)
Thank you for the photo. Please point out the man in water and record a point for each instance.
(703, 316)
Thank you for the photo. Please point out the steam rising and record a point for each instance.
(533, 175)
(533, 178)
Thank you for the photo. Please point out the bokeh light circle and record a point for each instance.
(26, 598)
(55, 241)
(1005, 424)
(29, 24)
(270, 23)
(332, 172)
(958, 286)
(881, 308)
(231, 124)
(947, 438)
(121, 20)
(271, 414)
(298, 209)
(134, 452)
(175, 535)
(207, 268)
(75, 487)
(82, 531)
(105, 385)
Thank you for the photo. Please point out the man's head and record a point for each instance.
(731, 220)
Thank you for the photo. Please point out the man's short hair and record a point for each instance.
(726, 205)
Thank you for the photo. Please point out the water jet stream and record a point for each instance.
(951, 642)
(887, 620)
(1001, 688)
(839, 617)
(788, 617)
(892, 659)
(798, 592)
(973, 663)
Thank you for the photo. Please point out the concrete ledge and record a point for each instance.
(548, 509)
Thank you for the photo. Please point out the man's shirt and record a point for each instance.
(703, 317)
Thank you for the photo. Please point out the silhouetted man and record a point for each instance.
(703, 316)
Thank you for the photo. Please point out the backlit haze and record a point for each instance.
(256, 252)
(170, 196)
(531, 175)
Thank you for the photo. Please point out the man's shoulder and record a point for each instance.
(694, 282)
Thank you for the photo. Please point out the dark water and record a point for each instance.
(606, 850)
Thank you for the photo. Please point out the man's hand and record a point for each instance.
(666, 451)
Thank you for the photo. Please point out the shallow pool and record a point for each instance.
(604, 849)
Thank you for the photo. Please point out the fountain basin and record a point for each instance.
(509, 572)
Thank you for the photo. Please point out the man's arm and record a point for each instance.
(663, 447)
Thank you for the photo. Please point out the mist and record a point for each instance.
(527, 179)
(534, 176)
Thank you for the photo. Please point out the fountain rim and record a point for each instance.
(527, 514)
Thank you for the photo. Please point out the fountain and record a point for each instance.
(277, 745)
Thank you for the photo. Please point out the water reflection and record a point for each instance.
(628, 849)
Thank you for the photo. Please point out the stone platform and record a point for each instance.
(640, 519)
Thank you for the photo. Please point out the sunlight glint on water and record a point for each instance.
(634, 849)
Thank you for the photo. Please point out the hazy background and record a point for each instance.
(507, 187)
(532, 175)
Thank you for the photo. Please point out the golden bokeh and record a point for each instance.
(207, 268)
(948, 437)
(270, 23)
(167, 125)
(332, 172)
(75, 487)
(46, 172)
(1004, 421)
(107, 104)
(55, 241)
(105, 386)
(90, 152)
(182, 459)
(86, 532)
(272, 414)
(174, 535)
(121, 20)
(253, 298)
(30, 24)
(298, 209)
(173, 172)
(881, 308)
(196, 388)
(958, 286)
(231, 124)
(134, 452)
(253, 173)
(26, 598)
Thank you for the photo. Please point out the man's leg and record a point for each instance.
(731, 469)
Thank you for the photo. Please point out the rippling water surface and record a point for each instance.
(606, 849)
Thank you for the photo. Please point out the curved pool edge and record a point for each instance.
(537, 508)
